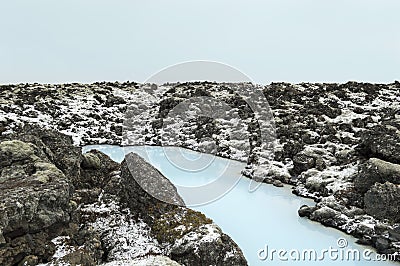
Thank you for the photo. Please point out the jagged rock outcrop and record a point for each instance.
(37, 184)
(191, 238)
(58, 207)
(34, 199)
(334, 142)
(144, 187)
(302, 162)
(57, 148)
(376, 171)
(383, 201)
(382, 141)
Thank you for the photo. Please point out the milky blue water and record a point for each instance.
(260, 221)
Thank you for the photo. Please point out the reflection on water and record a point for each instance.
(267, 216)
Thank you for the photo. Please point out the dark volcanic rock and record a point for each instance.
(34, 197)
(153, 198)
(382, 143)
(302, 162)
(144, 189)
(318, 127)
(325, 215)
(376, 171)
(53, 198)
(114, 100)
(381, 243)
(56, 147)
(36, 203)
(208, 252)
(383, 201)
(36, 188)
(306, 211)
(95, 169)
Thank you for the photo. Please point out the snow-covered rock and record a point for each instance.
(59, 207)
(319, 139)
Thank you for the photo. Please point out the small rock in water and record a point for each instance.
(277, 183)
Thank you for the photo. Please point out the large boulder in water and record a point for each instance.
(192, 237)
(59, 207)
(142, 188)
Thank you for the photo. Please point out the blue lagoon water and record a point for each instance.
(258, 221)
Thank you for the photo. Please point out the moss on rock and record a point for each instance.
(176, 223)
(46, 172)
(91, 161)
(15, 150)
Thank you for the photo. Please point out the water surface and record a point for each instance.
(255, 220)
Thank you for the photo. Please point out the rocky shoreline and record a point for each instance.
(335, 143)
(61, 207)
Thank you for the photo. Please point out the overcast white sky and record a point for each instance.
(284, 40)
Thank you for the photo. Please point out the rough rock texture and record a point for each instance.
(376, 171)
(383, 201)
(147, 114)
(56, 147)
(34, 199)
(191, 238)
(207, 245)
(144, 187)
(335, 143)
(59, 207)
(383, 140)
(302, 162)
(37, 184)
